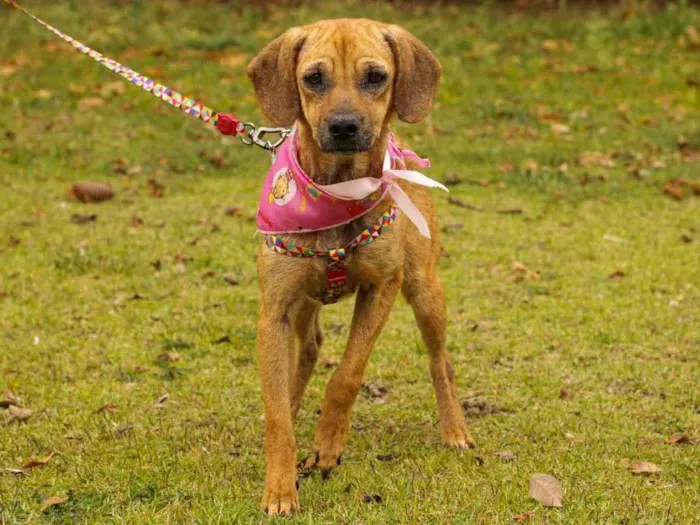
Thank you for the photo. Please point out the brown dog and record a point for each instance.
(353, 75)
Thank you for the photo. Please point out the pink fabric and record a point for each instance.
(292, 203)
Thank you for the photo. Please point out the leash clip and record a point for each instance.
(253, 135)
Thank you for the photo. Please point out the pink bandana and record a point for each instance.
(292, 203)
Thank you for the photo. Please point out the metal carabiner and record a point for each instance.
(258, 135)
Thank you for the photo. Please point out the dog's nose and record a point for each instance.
(344, 127)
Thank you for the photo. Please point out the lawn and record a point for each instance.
(574, 324)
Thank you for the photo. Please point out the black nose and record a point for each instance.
(344, 126)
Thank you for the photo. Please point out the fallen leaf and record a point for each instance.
(160, 403)
(546, 489)
(371, 498)
(674, 189)
(233, 211)
(616, 275)
(50, 502)
(520, 272)
(136, 221)
(560, 128)
(11, 400)
(565, 393)
(523, 517)
(169, 357)
(156, 188)
(18, 414)
(388, 457)
(88, 103)
(375, 391)
(596, 158)
(679, 439)
(686, 239)
(478, 406)
(91, 191)
(16, 471)
(110, 408)
(33, 462)
(230, 278)
(43, 94)
(506, 456)
(453, 179)
(221, 340)
(78, 218)
(118, 87)
(8, 70)
(644, 467)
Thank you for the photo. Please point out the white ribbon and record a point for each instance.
(361, 188)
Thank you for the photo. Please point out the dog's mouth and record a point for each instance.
(360, 143)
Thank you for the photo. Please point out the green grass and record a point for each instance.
(627, 349)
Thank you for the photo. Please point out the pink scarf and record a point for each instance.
(292, 203)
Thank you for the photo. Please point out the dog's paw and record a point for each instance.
(458, 438)
(281, 501)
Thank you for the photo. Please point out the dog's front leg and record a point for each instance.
(372, 308)
(275, 349)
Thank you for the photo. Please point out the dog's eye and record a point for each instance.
(376, 77)
(313, 79)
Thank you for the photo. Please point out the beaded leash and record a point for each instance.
(226, 123)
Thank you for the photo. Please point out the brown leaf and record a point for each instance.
(43, 94)
(388, 457)
(478, 406)
(565, 393)
(520, 272)
(79, 218)
(375, 391)
(674, 189)
(616, 275)
(679, 439)
(118, 87)
(222, 340)
(33, 462)
(18, 414)
(136, 221)
(88, 103)
(50, 502)
(109, 408)
(523, 517)
(231, 279)
(8, 70)
(686, 239)
(169, 357)
(160, 403)
(371, 498)
(91, 191)
(11, 400)
(546, 489)
(644, 467)
(233, 211)
(156, 188)
(16, 471)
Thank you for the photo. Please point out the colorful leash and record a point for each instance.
(226, 123)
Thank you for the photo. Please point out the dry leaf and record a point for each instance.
(546, 489)
(110, 408)
(18, 414)
(506, 456)
(565, 393)
(644, 467)
(560, 128)
(43, 94)
(91, 191)
(33, 462)
(156, 188)
(371, 498)
(79, 218)
(616, 275)
(520, 272)
(233, 211)
(169, 357)
(8, 70)
(50, 502)
(375, 391)
(160, 403)
(674, 189)
(678, 439)
(117, 87)
(388, 457)
(11, 400)
(523, 517)
(16, 471)
(88, 103)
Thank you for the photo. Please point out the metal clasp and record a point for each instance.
(251, 134)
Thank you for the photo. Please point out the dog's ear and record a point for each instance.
(273, 73)
(417, 74)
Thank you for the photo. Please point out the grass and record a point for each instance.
(86, 309)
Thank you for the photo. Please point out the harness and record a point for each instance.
(336, 276)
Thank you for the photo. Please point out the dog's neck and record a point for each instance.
(331, 168)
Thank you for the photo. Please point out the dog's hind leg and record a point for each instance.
(424, 292)
(310, 338)
(372, 308)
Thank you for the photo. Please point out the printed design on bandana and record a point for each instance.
(313, 192)
(284, 187)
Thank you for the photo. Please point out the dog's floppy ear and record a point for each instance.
(273, 73)
(417, 74)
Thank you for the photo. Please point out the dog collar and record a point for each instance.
(336, 276)
(292, 203)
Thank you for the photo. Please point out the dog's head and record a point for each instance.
(344, 79)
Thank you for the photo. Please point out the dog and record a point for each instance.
(339, 83)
